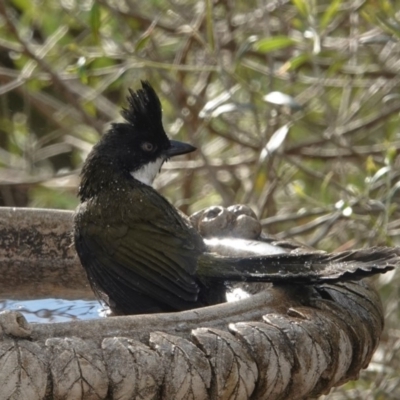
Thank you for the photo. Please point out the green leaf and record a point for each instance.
(274, 43)
(210, 24)
(389, 25)
(25, 6)
(391, 154)
(94, 20)
(330, 13)
(82, 70)
(302, 6)
(297, 61)
(245, 46)
(142, 42)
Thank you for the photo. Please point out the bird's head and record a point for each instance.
(136, 148)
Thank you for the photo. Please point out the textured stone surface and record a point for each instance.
(285, 342)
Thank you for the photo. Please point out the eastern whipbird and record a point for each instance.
(141, 255)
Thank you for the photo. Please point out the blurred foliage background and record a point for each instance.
(293, 105)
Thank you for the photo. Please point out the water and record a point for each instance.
(55, 310)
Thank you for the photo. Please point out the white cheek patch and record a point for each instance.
(148, 172)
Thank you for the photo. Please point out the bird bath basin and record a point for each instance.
(34, 280)
(287, 342)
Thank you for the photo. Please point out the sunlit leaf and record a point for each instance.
(391, 97)
(282, 99)
(225, 108)
(90, 108)
(393, 190)
(217, 101)
(298, 188)
(82, 69)
(275, 142)
(381, 172)
(391, 154)
(347, 211)
(377, 39)
(24, 5)
(370, 165)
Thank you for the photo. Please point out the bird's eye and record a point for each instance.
(147, 146)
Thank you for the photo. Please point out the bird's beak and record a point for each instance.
(178, 148)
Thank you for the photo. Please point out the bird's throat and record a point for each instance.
(147, 173)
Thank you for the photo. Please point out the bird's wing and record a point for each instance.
(305, 268)
(144, 249)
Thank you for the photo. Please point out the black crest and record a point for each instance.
(144, 108)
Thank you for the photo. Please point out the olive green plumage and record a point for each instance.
(140, 253)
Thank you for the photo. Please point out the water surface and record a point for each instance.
(55, 310)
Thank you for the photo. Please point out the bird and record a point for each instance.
(142, 255)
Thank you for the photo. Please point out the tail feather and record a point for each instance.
(305, 268)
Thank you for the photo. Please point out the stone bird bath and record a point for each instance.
(281, 343)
